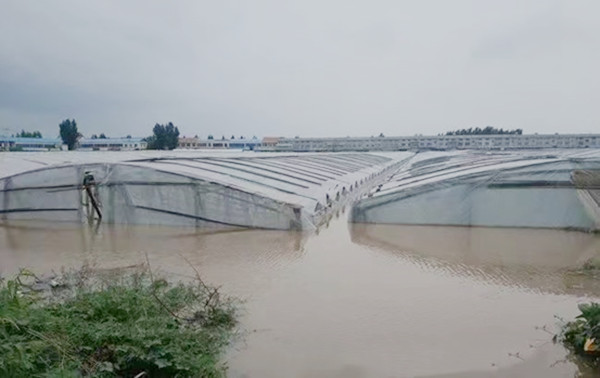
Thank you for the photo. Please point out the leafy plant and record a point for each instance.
(586, 326)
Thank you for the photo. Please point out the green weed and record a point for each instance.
(584, 329)
(123, 324)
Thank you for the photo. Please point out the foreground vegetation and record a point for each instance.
(117, 324)
(582, 335)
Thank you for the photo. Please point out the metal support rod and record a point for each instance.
(90, 194)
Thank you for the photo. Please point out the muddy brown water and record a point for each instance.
(358, 300)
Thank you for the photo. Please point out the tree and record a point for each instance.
(94, 136)
(29, 134)
(210, 137)
(488, 130)
(128, 136)
(69, 133)
(102, 136)
(166, 137)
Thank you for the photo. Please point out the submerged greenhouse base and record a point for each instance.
(540, 189)
(212, 190)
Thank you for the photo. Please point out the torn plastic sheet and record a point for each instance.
(543, 188)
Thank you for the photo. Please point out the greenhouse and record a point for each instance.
(215, 190)
(540, 189)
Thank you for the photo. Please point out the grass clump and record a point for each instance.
(122, 324)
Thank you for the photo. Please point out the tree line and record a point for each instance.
(101, 136)
(488, 130)
(28, 134)
(164, 137)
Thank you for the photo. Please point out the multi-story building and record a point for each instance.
(440, 142)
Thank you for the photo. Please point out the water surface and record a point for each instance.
(358, 300)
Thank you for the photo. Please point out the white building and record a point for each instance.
(30, 144)
(197, 143)
(112, 144)
(441, 142)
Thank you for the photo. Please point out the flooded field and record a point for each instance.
(358, 300)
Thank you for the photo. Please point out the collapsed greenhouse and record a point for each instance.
(539, 189)
(214, 190)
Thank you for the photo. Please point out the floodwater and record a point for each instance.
(358, 300)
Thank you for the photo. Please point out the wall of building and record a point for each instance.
(45, 144)
(443, 142)
(29, 144)
(197, 143)
(112, 144)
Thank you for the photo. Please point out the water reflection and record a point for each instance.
(530, 259)
(43, 247)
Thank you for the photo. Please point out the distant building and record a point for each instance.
(271, 141)
(440, 142)
(112, 144)
(274, 144)
(30, 144)
(197, 143)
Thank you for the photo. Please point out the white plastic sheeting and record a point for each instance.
(217, 190)
(545, 189)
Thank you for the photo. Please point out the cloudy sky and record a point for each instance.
(308, 68)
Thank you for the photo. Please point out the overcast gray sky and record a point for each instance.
(308, 68)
